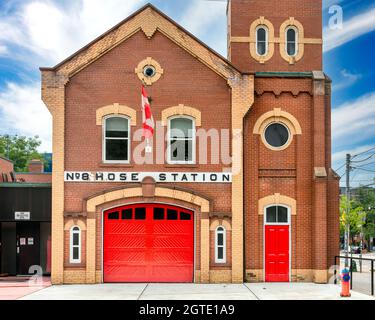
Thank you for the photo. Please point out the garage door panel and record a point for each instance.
(151, 250)
(124, 241)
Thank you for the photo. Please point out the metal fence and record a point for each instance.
(368, 261)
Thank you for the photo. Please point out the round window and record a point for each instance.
(149, 71)
(277, 135)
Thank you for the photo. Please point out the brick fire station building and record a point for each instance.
(274, 217)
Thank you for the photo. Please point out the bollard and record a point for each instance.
(345, 283)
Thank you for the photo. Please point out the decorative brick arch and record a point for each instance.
(181, 110)
(75, 222)
(220, 222)
(116, 109)
(162, 192)
(277, 115)
(277, 199)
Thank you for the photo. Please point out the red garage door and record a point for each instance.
(148, 243)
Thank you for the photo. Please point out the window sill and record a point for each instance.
(180, 165)
(115, 165)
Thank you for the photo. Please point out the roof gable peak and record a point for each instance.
(148, 19)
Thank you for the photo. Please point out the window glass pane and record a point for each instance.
(276, 135)
(117, 149)
(291, 35)
(271, 214)
(172, 214)
(117, 128)
(140, 213)
(75, 229)
(181, 150)
(291, 48)
(158, 214)
(75, 239)
(261, 48)
(75, 253)
(185, 216)
(181, 128)
(261, 35)
(282, 215)
(113, 215)
(220, 239)
(127, 214)
(220, 253)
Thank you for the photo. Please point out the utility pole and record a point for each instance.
(347, 225)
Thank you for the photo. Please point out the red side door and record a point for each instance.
(277, 253)
(148, 243)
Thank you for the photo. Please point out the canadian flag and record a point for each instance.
(148, 120)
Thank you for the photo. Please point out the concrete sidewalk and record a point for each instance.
(247, 291)
(13, 288)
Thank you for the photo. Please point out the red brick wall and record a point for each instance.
(288, 172)
(112, 79)
(6, 167)
(34, 177)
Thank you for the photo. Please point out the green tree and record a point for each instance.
(355, 218)
(20, 150)
(366, 197)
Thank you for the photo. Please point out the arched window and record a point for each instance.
(276, 214)
(181, 140)
(262, 40)
(116, 144)
(291, 41)
(220, 245)
(75, 245)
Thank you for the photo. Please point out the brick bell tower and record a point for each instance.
(275, 35)
(280, 42)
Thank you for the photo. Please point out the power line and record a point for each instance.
(363, 169)
(366, 164)
(364, 152)
(358, 161)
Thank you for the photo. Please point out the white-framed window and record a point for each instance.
(277, 214)
(291, 43)
(181, 140)
(220, 245)
(262, 40)
(75, 244)
(116, 139)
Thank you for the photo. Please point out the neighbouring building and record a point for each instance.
(120, 215)
(25, 220)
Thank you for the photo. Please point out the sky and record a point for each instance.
(36, 33)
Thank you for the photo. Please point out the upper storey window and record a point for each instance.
(116, 143)
(181, 140)
(262, 40)
(291, 41)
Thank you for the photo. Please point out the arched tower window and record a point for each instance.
(262, 40)
(291, 41)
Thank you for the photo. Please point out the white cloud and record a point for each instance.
(354, 122)
(353, 28)
(24, 113)
(207, 20)
(51, 33)
(3, 50)
(347, 79)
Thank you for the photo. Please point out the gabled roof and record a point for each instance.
(148, 19)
